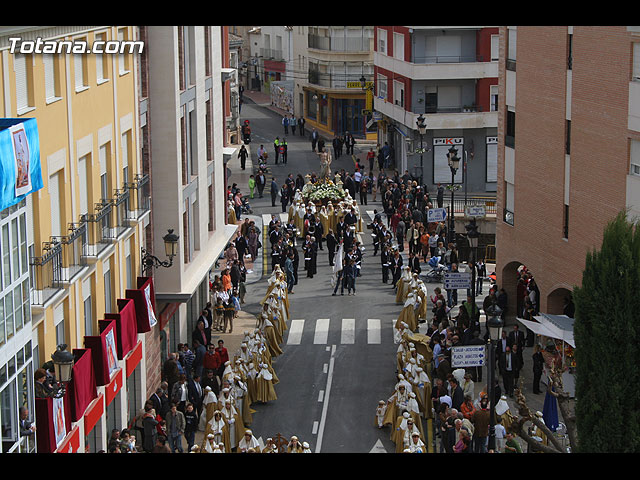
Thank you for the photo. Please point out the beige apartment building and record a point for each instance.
(569, 150)
(84, 229)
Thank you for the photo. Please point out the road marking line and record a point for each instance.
(321, 396)
(322, 331)
(348, 333)
(325, 406)
(295, 332)
(314, 430)
(373, 331)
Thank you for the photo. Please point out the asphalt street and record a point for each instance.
(339, 355)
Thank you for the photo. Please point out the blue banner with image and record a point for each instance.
(20, 169)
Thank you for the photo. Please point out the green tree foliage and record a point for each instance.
(606, 331)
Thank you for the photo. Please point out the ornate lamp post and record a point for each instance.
(472, 236)
(422, 129)
(494, 325)
(63, 367)
(171, 250)
(454, 163)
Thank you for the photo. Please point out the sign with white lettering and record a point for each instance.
(468, 356)
(476, 211)
(457, 280)
(436, 215)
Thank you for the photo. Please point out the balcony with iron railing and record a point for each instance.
(271, 54)
(342, 44)
(139, 202)
(121, 211)
(46, 273)
(100, 234)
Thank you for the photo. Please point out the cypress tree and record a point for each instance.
(607, 323)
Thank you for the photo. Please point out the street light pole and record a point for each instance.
(494, 325)
(422, 128)
(454, 163)
(472, 236)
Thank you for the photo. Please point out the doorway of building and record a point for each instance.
(349, 117)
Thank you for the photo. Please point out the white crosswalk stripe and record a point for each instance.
(349, 327)
(322, 331)
(373, 330)
(348, 332)
(295, 332)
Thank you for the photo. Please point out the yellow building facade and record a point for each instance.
(85, 227)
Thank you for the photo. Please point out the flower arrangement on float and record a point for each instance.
(323, 192)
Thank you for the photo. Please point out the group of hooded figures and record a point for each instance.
(411, 400)
(250, 378)
(330, 215)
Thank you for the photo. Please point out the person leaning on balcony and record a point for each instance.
(42, 388)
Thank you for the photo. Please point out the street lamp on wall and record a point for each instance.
(170, 248)
(63, 367)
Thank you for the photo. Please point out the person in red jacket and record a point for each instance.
(211, 359)
(223, 355)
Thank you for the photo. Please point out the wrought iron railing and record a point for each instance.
(47, 272)
(139, 197)
(99, 230)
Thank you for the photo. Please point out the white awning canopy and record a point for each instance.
(553, 326)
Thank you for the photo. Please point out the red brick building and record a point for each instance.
(569, 123)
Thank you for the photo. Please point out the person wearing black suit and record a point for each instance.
(261, 182)
(351, 218)
(318, 233)
(274, 192)
(395, 267)
(350, 185)
(516, 337)
(509, 365)
(195, 393)
(332, 242)
(414, 263)
(457, 395)
(341, 227)
(385, 262)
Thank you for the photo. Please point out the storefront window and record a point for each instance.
(312, 106)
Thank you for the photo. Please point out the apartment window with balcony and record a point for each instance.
(88, 305)
(510, 134)
(493, 100)
(55, 197)
(512, 40)
(58, 323)
(398, 93)
(382, 86)
(83, 184)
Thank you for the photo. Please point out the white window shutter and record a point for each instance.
(22, 91)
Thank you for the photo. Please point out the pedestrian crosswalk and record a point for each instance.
(345, 331)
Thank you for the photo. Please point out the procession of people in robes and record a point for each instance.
(247, 379)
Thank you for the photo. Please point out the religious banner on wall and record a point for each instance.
(20, 171)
